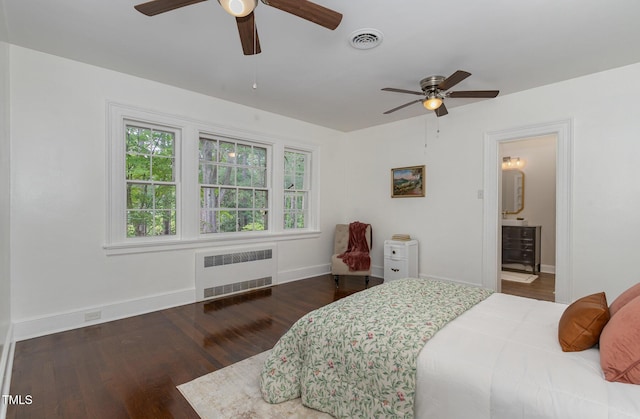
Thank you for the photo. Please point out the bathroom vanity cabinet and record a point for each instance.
(521, 244)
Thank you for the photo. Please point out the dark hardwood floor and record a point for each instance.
(130, 368)
(542, 288)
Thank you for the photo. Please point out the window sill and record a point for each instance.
(169, 245)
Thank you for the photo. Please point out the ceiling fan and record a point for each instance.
(434, 92)
(243, 12)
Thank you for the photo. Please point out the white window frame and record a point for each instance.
(306, 190)
(188, 133)
(116, 180)
(175, 182)
(268, 187)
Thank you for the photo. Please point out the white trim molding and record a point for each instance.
(6, 367)
(187, 136)
(40, 326)
(564, 181)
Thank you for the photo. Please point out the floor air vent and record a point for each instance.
(221, 272)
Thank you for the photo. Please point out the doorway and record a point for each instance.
(528, 209)
(492, 214)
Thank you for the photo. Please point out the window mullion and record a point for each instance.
(277, 191)
(189, 189)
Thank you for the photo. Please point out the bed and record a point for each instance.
(490, 356)
(501, 359)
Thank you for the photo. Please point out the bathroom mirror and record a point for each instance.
(512, 191)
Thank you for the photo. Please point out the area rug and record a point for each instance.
(234, 392)
(518, 277)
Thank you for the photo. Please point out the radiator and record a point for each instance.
(230, 270)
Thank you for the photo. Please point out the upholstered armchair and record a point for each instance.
(351, 246)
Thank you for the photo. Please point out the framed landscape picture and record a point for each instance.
(408, 182)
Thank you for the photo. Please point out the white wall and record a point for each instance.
(5, 226)
(448, 221)
(60, 268)
(539, 156)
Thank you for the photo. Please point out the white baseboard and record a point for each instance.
(307, 272)
(377, 271)
(548, 269)
(60, 322)
(318, 270)
(6, 366)
(40, 326)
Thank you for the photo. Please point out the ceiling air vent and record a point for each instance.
(365, 38)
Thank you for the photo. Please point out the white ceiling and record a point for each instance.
(312, 74)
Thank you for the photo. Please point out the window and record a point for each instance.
(175, 183)
(234, 194)
(150, 182)
(296, 189)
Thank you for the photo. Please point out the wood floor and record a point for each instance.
(542, 288)
(130, 368)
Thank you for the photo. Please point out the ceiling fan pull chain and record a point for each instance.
(426, 133)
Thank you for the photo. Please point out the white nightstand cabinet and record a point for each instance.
(400, 259)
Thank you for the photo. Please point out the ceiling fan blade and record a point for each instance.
(474, 93)
(453, 79)
(402, 106)
(305, 9)
(411, 92)
(248, 34)
(441, 111)
(155, 7)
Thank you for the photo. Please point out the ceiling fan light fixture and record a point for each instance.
(432, 103)
(238, 8)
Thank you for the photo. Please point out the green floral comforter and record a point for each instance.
(356, 357)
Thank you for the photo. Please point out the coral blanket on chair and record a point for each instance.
(357, 255)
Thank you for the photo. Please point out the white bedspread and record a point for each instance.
(501, 359)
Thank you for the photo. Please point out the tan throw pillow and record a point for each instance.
(582, 322)
(624, 298)
(620, 345)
